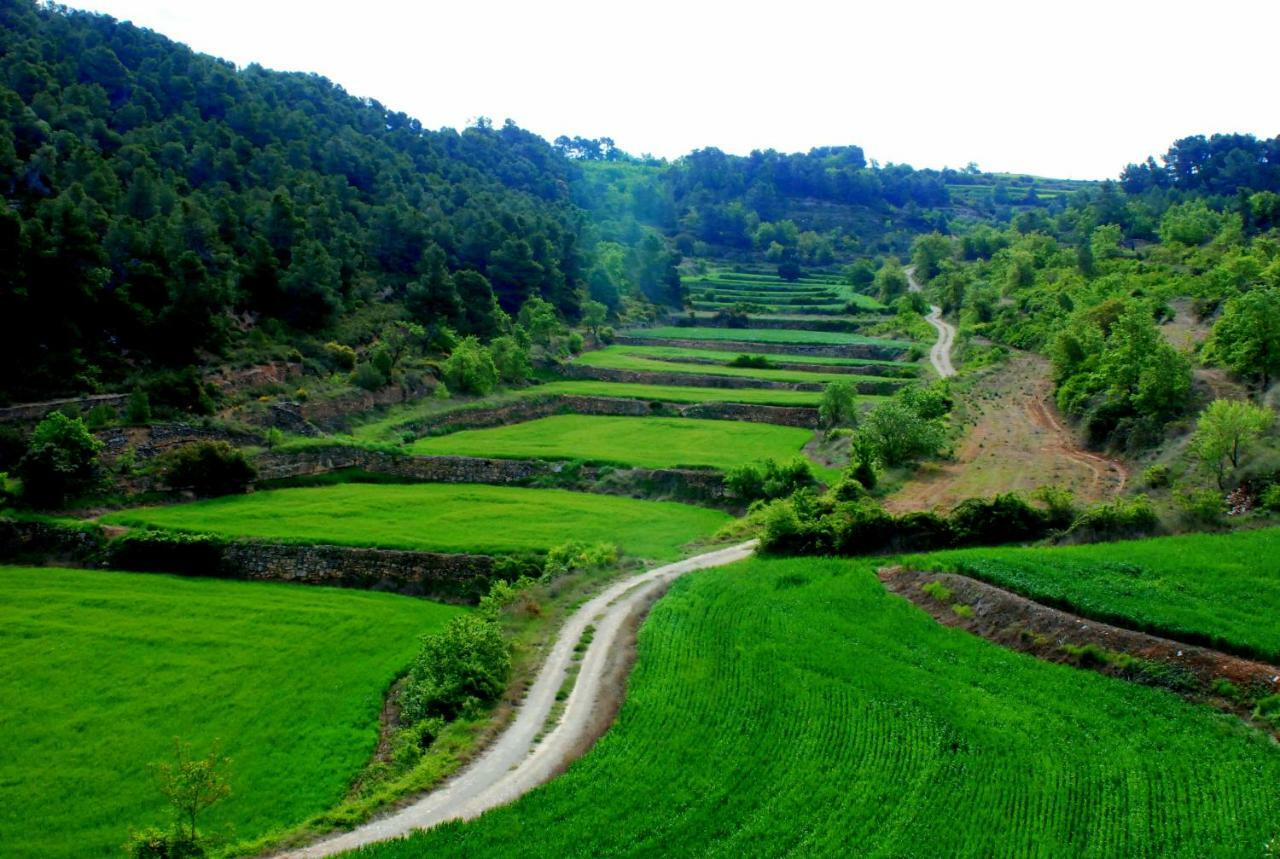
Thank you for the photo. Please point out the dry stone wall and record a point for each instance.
(823, 350)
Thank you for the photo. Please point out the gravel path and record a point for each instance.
(514, 764)
(940, 354)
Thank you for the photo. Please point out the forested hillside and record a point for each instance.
(162, 203)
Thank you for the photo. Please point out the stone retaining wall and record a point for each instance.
(153, 440)
(35, 411)
(905, 372)
(703, 486)
(823, 350)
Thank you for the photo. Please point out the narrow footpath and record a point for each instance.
(516, 762)
(940, 354)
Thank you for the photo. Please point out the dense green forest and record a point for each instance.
(160, 202)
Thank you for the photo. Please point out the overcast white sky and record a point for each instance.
(1066, 89)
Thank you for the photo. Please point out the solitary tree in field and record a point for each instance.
(193, 784)
(594, 314)
(1225, 432)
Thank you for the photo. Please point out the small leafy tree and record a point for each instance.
(1225, 432)
(470, 368)
(839, 405)
(538, 318)
(1246, 340)
(457, 669)
(61, 459)
(594, 314)
(898, 434)
(191, 785)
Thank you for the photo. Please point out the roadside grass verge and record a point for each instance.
(102, 670)
(436, 517)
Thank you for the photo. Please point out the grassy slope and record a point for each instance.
(794, 708)
(102, 670)
(621, 361)
(439, 517)
(764, 335)
(1220, 588)
(648, 442)
(682, 393)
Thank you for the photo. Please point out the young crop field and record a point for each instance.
(439, 518)
(102, 670)
(647, 442)
(794, 708)
(766, 335)
(1222, 589)
(685, 394)
(616, 360)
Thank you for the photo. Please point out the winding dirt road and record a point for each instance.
(940, 354)
(516, 762)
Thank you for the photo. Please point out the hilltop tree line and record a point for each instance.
(159, 203)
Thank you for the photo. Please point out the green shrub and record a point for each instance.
(181, 391)
(209, 468)
(938, 591)
(1202, 508)
(153, 843)
(61, 459)
(1270, 498)
(1268, 710)
(139, 409)
(340, 355)
(575, 555)
(470, 368)
(758, 481)
(1116, 519)
(1156, 476)
(607, 334)
(13, 444)
(368, 377)
(1006, 518)
(1059, 505)
(574, 342)
(839, 405)
(754, 362)
(510, 359)
(457, 671)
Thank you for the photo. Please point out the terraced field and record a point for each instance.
(719, 356)
(102, 670)
(439, 518)
(684, 394)
(1223, 590)
(793, 707)
(650, 442)
(766, 335)
(620, 360)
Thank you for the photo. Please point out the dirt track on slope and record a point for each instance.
(523, 757)
(1016, 443)
(940, 353)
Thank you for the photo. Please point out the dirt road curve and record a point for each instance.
(513, 765)
(940, 354)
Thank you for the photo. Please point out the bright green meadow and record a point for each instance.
(1222, 589)
(683, 393)
(794, 708)
(439, 517)
(101, 671)
(607, 359)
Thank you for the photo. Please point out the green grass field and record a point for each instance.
(794, 708)
(102, 670)
(1220, 589)
(440, 518)
(683, 394)
(647, 442)
(617, 360)
(723, 357)
(766, 335)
